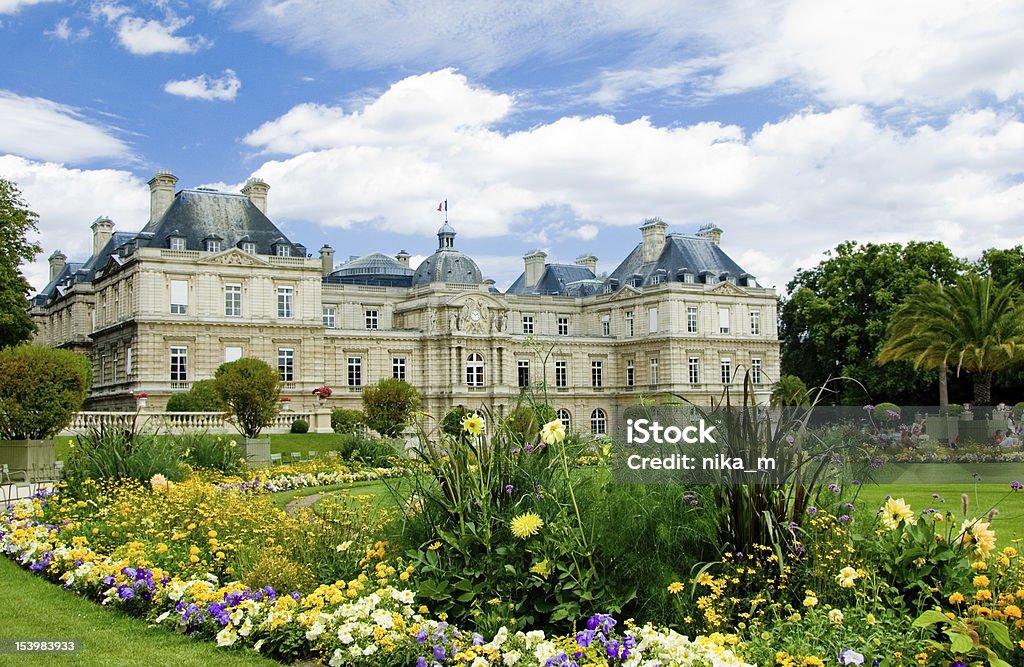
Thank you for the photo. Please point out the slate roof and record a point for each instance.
(198, 215)
(373, 269)
(447, 265)
(699, 256)
(83, 272)
(556, 279)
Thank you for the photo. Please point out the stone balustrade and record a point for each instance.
(319, 420)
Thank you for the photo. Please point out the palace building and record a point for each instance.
(210, 279)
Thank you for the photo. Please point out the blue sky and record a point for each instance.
(791, 125)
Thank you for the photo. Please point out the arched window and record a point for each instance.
(475, 370)
(564, 417)
(598, 422)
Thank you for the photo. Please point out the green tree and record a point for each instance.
(250, 389)
(41, 388)
(834, 321)
(388, 406)
(202, 397)
(1005, 266)
(790, 390)
(16, 222)
(973, 326)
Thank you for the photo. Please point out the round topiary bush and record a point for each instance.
(300, 426)
(888, 411)
(41, 388)
(250, 388)
(346, 421)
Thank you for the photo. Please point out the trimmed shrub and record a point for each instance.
(250, 389)
(41, 388)
(202, 397)
(300, 426)
(346, 421)
(388, 406)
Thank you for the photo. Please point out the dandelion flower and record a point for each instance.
(675, 587)
(552, 432)
(473, 424)
(526, 525)
(896, 510)
(978, 534)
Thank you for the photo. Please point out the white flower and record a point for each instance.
(162, 617)
(382, 617)
(405, 597)
(257, 646)
(511, 658)
(835, 617)
(227, 636)
(480, 662)
(337, 658)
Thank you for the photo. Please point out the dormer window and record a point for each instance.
(213, 245)
(176, 242)
(688, 278)
(283, 250)
(249, 247)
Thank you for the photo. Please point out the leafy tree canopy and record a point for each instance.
(16, 223)
(41, 388)
(834, 321)
(250, 388)
(388, 406)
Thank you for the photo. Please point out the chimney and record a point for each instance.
(256, 190)
(653, 231)
(710, 232)
(102, 230)
(403, 258)
(327, 259)
(588, 262)
(534, 267)
(57, 262)
(161, 193)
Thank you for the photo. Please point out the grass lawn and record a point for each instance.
(280, 443)
(34, 608)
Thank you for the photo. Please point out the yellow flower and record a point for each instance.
(956, 598)
(981, 581)
(473, 424)
(896, 510)
(811, 600)
(1012, 611)
(526, 525)
(542, 568)
(835, 617)
(435, 546)
(675, 587)
(846, 577)
(979, 534)
(552, 432)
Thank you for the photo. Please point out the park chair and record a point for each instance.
(332, 454)
(296, 457)
(312, 454)
(275, 459)
(10, 488)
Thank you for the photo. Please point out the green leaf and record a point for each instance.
(959, 642)
(929, 618)
(998, 631)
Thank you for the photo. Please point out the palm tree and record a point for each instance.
(972, 326)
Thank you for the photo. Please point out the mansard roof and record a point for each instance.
(83, 272)
(681, 254)
(197, 215)
(557, 279)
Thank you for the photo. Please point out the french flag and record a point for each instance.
(443, 206)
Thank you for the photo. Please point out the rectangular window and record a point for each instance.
(755, 323)
(755, 370)
(691, 319)
(286, 364)
(563, 326)
(606, 326)
(249, 247)
(726, 371)
(723, 320)
(629, 322)
(179, 364)
(179, 297)
(652, 317)
(355, 372)
(398, 368)
(213, 246)
(330, 317)
(233, 300)
(116, 366)
(561, 374)
(177, 243)
(688, 278)
(654, 371)
(285, 302)
(524, 373)
(284, 251)
(128, 361)
(630, 374)
(597, 374)
(527, 324)
(694, 370)
(371, 318)
(232, 353)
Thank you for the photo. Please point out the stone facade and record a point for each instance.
(210, 279)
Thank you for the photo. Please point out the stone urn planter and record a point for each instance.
(29, 460)
(255, 451)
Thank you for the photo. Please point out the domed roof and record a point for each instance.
(447, 265)
(374, 263)
(446, 229)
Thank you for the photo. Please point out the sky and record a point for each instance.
(791, 125)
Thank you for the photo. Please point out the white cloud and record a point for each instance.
(68, 200)
(42, 129)
(587, 232)
(145, 37)
(203, 87)
(790, 190)
(14, 6)
(63, 31)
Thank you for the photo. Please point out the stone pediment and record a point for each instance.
(477, 313)
(625, 292)
(726, 287)
(234, 257)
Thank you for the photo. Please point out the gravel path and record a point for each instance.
(294, 506)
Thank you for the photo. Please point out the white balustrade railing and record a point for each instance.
(182, 422)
